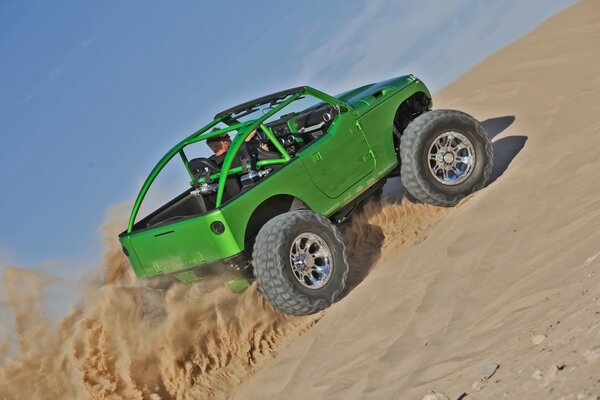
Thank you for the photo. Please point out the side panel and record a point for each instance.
(340, 158)
(291, 180)
(190, 242)
(377, 126)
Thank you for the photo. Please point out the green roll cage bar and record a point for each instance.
(244, 129)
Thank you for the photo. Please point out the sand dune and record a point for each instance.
(510, 276)
(124, 340)
(517, 263)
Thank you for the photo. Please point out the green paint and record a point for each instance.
(238, 285)
(327, 174)
(187, 276)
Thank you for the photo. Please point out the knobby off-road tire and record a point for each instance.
(445, 156)
(300, 280)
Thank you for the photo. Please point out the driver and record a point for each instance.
(220, 144)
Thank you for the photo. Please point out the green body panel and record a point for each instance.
(339, 159)
(181, 245)
(376, 125)
(356, 152)
(186, 276)
(238, 285)
(367, 97)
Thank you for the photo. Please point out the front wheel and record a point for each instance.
(300, 262)
(445, 156)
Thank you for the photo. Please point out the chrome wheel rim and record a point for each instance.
(311, 260)
(451, 158)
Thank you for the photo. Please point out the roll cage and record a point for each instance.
(230, 117)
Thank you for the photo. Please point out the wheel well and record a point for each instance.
(408, 110)
(268, 209)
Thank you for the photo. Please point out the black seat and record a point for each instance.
(266, 154)
(202, 166)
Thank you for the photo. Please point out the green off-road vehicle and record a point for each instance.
(298, 164)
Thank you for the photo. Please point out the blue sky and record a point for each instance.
(93, 93)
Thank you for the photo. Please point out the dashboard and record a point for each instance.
(295, 130)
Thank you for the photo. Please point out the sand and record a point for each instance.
(510, 276)
(508, 281)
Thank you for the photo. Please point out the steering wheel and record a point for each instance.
(202, 164)
(203, 167)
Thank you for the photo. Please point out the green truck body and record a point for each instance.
(357, 150)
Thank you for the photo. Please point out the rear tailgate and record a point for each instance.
(178, 245)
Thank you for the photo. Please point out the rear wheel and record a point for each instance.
(446, 155)
(300, 262)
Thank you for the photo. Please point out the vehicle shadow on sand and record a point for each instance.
(364, 240)
(495, 126)
(506, 148)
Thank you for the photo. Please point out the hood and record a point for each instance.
(365, 97)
